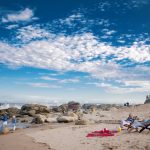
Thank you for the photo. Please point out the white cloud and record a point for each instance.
(12, 26)
(43, 85)
(69, 81)
(48, 78)
(23, 15)
(28, 33)
(80, 52)
(108, 31)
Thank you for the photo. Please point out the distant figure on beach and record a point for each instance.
(4, 119)
(14, 121)
(127, 104)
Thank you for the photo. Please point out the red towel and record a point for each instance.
(101, 133)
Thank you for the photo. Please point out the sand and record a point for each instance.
(73, 137)
(20, 141)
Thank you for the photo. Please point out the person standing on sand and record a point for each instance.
(5, 119)
(14, 121)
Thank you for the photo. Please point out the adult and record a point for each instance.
(127, 122)
(4, 119)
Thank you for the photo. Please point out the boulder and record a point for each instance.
(10, 111)
(32, 113)
(63, 108)
(39, 119)
(66, 119)
(82, 122)
(74, 106)
(69, 117)
(32, 109)
(51, 120)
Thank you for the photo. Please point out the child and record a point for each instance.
(14, 122)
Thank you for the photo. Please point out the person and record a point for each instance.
(14, 123)
(138, 123)
(127, 104)
(4, 119)
(127, 122)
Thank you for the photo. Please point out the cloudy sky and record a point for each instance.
(83, 50)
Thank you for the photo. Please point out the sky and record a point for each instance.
(90, 51)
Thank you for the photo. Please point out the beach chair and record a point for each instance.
(146, 127)
(140, 124)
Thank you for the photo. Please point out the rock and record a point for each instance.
(10, 111)
(51, 120)
(71, 114)
(82, 122)
(26, 119)
(32, 113)
(63, 108)
(13, 110)
(66, 119)
(85, 112)
(88, 106)
(39, 119)
(32, 109)
(70, 117)
(74, 106)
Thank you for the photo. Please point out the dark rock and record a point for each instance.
(10, 111)
(74, 106)
(32, 109)
(63, 108)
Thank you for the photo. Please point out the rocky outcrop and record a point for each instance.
(33, 109)
(66, 107)
(103, 107)
(49, 118)
(61, 109)
(10, 111)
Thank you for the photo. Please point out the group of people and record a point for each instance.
(133, 122)
(4, 118)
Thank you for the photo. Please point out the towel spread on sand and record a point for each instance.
(101, 133)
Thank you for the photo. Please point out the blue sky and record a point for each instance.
(83, 50)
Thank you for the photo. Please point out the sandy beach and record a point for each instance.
(68, 136)
(20, 141)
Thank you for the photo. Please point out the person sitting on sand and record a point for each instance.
(138, 123)
(127, 122)
(14, 123)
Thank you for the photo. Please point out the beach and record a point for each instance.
(68, 136)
